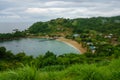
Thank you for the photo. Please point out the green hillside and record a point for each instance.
(78, 25)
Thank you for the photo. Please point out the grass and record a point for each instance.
(110, 71)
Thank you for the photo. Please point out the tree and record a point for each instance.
(20, 56)
(49, 54)
(2, 52)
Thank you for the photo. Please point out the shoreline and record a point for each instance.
(73, 44)
(70, 42)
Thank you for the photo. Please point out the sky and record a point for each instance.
(44, 10)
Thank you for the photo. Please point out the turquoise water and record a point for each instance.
(37, 46)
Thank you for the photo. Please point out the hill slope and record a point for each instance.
(78, 25)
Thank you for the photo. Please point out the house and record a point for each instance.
(92, 48)
(76, 35)
(108, 36)
(89, 43)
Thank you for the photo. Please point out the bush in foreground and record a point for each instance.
(74, 72)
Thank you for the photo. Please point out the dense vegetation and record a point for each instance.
(110, 71)
(10, 36)
(63, 67)
(79, 25)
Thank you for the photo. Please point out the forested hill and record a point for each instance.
(78, 25)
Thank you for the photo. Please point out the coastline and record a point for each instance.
(73, 44)
(70, 42)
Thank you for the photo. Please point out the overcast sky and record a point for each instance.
(43, 10)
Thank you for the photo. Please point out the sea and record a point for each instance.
(8, 27)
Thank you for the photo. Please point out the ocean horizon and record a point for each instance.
(8, 27)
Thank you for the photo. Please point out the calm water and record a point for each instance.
(7, 27)
(36, 46)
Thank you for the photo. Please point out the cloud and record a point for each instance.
(38, 10)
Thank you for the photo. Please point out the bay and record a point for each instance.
(37, 46)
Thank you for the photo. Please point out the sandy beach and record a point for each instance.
(73, 43)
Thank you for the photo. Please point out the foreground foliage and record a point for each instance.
(73, 72)
(62, 67)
